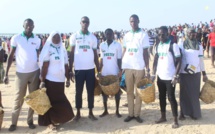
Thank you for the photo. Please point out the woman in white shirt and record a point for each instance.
(54, 70)
(190, 76)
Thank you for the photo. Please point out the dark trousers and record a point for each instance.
(165, 87)
(80, 77)
(105, 97)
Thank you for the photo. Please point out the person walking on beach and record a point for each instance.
(84, 55)
(134, 61)
(211, 43)
(110, 64)
(25, 46)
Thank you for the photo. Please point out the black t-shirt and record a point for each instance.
(205, 37)
(199, 37)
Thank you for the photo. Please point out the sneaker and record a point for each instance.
(12, 128)
(138, 119)
(31, 126)
(129, 118)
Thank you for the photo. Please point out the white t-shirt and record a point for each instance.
(166, 67)
(191, 56)
(84, 46)
(135, 42)
(110, 54)
(54, 73)
(26, 52)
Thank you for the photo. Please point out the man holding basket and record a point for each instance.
(110, 63)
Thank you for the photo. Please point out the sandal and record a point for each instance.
(52, 127)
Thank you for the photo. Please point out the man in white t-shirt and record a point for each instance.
(166, 65)
(135, 60)
(110, 64)
(25, 46)
(84, 55)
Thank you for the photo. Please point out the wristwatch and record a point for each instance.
(176, 76)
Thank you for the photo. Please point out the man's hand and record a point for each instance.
(6, 80)
(120, 74)
(152, 78)
(72, 76)
(98, 75)
(42, 85)
(67, 83)
(148, 75)
(205, 78)
(174, 81)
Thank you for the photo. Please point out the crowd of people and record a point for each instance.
(68, 57)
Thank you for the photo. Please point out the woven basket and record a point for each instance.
(38, 101)
(148, 94)
(98, 89)
(109, 84)
(1, 118)
(207, 94)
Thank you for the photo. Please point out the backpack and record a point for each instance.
(170, 50)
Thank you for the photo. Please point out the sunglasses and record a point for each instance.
(85, 22)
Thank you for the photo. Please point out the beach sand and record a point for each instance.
(111, 124)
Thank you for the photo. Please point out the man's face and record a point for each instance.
(109, 35)
(28, 26)
(134, 22)
(162, 35)
(85, 23)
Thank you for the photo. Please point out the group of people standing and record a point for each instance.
(172, 62)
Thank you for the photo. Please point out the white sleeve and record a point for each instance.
(201, 51)
(46, 57)
(202, 65)
(72, 40)
(124, 42)
(119, 52)
(94, 45)
(13, 42)
(38, 44)
(176, 50)
(145, 41)
(180, 45)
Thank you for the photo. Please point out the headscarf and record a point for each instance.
(191, 44)
(46, 48)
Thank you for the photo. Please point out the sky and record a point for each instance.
(65, 15)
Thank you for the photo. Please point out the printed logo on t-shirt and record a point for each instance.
(51, 53)
(109, 55)
(162, 55)
(57, 58)
(84, 47)
(33, 43)
(131, 51)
